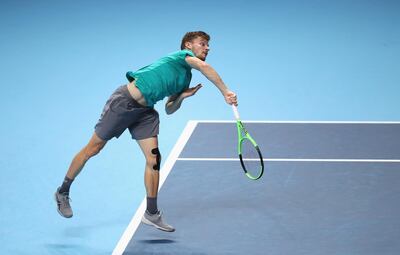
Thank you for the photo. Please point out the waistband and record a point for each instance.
(124, 90)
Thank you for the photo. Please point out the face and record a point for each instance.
(199, 46)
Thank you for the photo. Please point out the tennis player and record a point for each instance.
(131, 107)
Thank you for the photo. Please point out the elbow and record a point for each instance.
(168, 110)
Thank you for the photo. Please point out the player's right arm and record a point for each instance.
(209, 72)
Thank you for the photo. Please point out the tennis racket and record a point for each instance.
(249, 153)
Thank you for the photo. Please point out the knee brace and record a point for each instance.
(156, 152)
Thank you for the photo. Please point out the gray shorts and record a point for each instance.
(122, 112)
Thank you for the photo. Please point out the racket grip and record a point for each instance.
(235, 112)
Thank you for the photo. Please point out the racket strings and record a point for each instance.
(251, 158)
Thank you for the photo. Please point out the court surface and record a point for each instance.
(328, 188)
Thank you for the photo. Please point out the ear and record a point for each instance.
(188, 45)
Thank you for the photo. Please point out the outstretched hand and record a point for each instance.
(191, 91)
(230, 98)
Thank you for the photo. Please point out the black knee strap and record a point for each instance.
(156, 152)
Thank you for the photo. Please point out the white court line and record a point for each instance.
(297, 160)
(299, 122)
(165, 170)
(300, 160)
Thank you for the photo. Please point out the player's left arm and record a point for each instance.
(175, 101)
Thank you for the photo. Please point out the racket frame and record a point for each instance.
(242, 136)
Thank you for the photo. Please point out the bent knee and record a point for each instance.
(153, 160)
(93, 150)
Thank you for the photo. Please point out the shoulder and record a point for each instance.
(181, 57)
(182, 53)
(195, 62)
(187, 53)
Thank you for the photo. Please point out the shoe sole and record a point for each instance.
(58, 209)
(146, 221)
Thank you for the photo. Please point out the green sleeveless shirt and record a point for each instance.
(167, 76)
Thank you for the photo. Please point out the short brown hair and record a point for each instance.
(189, 36)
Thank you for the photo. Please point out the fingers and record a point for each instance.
(234, 101)
(191, 91)
(198, 87)
(231, 98)
(195, 89)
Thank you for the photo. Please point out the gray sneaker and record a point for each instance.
(156, 221)
(63, 206)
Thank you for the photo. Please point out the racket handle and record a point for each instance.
(235, 112)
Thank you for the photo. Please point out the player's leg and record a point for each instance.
(152, 154)
(95, 145)
(62, 195)
(112, 123)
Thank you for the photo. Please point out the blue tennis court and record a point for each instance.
(329, 188)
